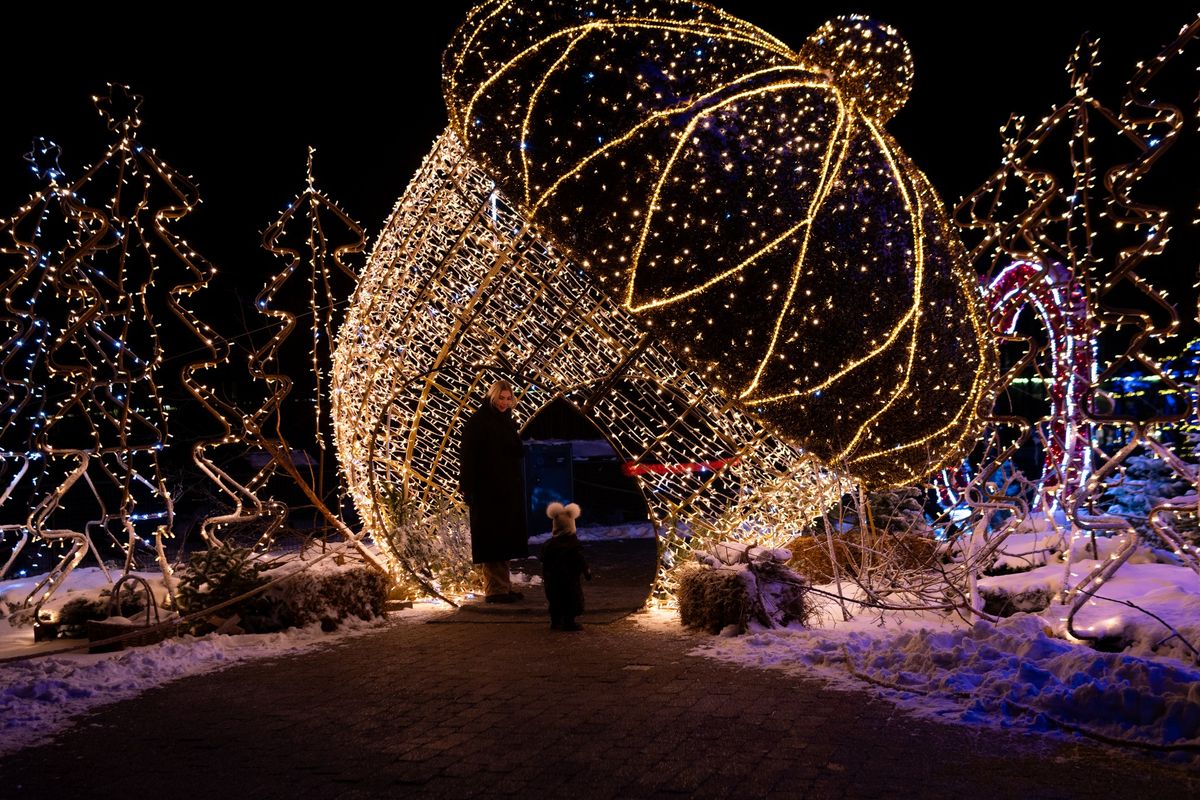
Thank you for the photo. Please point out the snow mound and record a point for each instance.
(1011, 674)
(605, 533)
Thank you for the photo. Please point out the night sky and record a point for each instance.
(234, 100)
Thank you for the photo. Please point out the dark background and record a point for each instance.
(233, 97)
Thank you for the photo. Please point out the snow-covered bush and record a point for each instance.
(216, 576)
(899, 511)
(1001, 601)
(1037, 540)
(421, 534)
(355, 592)
(76, 612)
(287, 596)
(1145, 483)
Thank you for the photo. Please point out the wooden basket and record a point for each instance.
(108, 637)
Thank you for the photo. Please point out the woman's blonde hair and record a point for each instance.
(499, 386)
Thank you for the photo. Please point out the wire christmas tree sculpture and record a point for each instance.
(97, 267)
(313, 237)
(22, 375)
(1071, 193)
(94, 274)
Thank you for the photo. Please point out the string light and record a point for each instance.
(460, 290)
(23, 410)
(1037, 209)
(80, 301)
(744, 203)
(1059, 301)
(84, 353)
(313, 275)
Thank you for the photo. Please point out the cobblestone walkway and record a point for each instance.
(503, 710)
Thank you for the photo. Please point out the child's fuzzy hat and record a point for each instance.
(563, 517)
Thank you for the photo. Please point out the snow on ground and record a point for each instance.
(42, 690)
(1022, 672)
(40, 695)
(1019, 673)
(17, 640)
(1171, 593)
(610, 533)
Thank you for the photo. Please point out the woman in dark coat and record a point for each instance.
(492, 480)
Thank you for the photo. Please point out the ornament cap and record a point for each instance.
(868, 61)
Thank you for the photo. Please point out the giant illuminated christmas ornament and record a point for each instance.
(459, 291)
(744, 202)
(703, 240)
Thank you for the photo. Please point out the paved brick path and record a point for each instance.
(516, 710)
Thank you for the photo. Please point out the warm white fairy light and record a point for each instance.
(312, 283)
(330, 279)
(459, 290)
(23, 410)
(744, 202)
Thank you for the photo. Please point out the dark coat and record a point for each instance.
(492, 479)
(562, 566)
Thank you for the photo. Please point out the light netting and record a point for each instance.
(746, 202)
(459, 291)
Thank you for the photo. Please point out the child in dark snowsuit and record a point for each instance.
(562, 566)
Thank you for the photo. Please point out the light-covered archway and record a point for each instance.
(461, 290)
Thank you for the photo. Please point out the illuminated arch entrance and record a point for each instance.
(461, 290)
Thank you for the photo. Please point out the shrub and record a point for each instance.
(75, 614)
(295, 598)
(215, 576)
(855, 554)
(714, 596)
(357, 592)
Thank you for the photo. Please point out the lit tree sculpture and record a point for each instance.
(668, 218)
(88, 279)
(263, 429)
(1066, 195)
(312, 284)
(22, 372)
